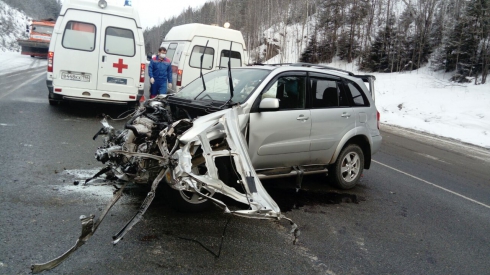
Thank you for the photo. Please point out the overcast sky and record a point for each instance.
(154, 11)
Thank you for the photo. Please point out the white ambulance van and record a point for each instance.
(185, 44)
(96, 54)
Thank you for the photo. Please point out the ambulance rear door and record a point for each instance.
(76, 54)
(120, 56)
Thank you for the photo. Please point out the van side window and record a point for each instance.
(171, 51)
(79, 36)
(236, 59)
(195, 60)
(119, 41)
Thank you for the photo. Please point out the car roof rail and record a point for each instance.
(302, 64)
(277, 64)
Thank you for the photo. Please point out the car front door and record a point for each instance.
(281, 138)
(331, 114)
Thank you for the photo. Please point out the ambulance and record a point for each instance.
(186, 44)
(96, 54)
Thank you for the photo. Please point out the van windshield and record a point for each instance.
(42, 29)
(217, 85)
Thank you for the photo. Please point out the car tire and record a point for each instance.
(188, 202)
(53, 102)
(347, 170)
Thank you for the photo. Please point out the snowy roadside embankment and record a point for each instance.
(429, 103)
(14, 61)
(12, 27)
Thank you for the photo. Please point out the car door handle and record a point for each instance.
(346, 115)
(103, 58)
(302, 118)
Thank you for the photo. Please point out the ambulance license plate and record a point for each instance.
(75, 77)
(116, 80)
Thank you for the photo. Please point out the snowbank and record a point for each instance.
(14, 61)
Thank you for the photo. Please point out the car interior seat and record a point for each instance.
(330, 97)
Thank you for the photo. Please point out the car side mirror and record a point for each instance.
(269, 104)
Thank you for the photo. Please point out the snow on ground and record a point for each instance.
(14, 61)
(429, 103)
(96, 187)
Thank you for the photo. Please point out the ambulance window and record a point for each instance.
(79, 36)
(195, 60)
(236, 59)
(119, 42)
(171, 51)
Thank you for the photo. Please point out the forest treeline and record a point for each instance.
(379, 35)
(37, 9)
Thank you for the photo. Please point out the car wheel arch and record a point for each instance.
(362, 141)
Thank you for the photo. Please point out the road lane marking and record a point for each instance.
(433, 184)
(432, 157)
(35, 77)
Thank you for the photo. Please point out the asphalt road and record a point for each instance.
(423, 207)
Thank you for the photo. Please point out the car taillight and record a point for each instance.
(378, 116)
(179, 77)
(50, 61)
(142, 73)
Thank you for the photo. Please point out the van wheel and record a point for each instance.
(348, 168)
(53, 102)
(190, 202)
(133, 105)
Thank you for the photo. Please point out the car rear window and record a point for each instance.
(195, 60)
(79, 36)
(357, 96)
(327, 93)
(119, 41)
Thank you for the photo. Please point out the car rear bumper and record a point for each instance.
(75, 94)
(376, 144)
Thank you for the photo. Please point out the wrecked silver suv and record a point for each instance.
(230, 128)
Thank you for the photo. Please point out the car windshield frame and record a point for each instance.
(245, 82)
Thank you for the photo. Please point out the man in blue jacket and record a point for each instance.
(160, 72)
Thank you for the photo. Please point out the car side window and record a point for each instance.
(357, 96)
(327, 93)
(79, 36)
(290, 90)
(195, 60)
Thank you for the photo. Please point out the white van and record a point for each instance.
(96, 54)
(185, 45)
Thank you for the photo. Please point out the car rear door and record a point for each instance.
(331, 115)
(281, 138)
(76, 54)
(120, 56)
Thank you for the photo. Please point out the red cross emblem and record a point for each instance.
(120, 66)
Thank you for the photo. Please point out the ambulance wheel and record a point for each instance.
(133, 105)
(54, 102)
